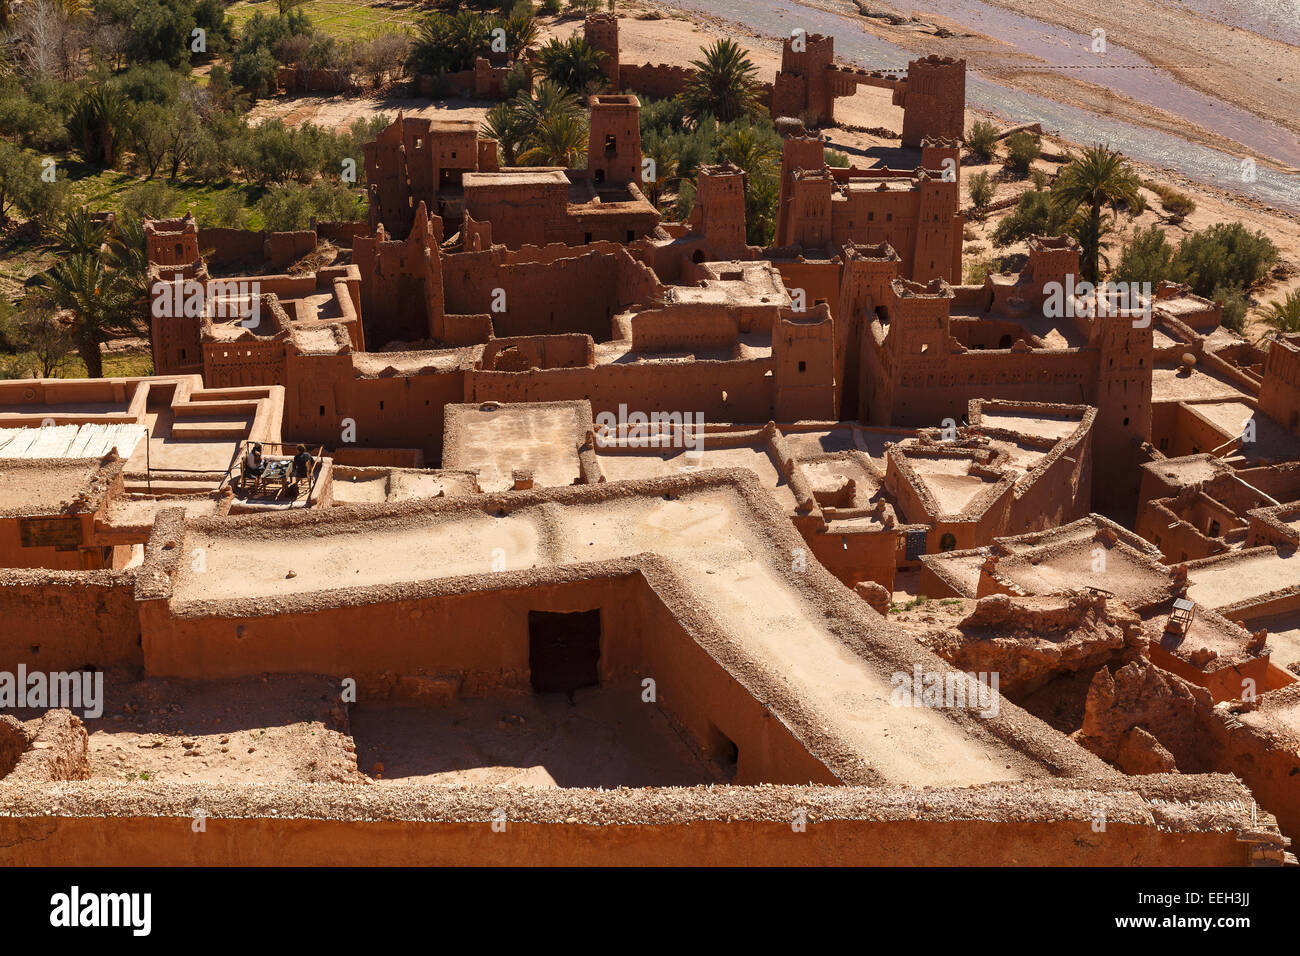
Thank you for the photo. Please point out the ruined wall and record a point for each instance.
(59, 620)
(53, 747)
(1260, 755)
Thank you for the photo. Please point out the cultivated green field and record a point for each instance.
(345, 19)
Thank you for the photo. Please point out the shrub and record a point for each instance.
(981, 192)
(977, 269)
(150, 199)
(1225, 254)
(1148, 257)
(293, 207)
(1022, 149)
(1235, 306)
(982, 141)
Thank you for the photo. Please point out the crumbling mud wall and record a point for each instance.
(1028, 641)
(1156, 821)
(52, 747)
(60, 620)
(1144, 720)
(1263, 751)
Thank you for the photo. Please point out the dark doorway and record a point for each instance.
(563, 650)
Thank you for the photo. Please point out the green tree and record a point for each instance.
(1098, 179)
(559, 140)
(573, 64)
(100, 124)
(1283, 317)
(98, 304)
(1148, 257)
(1224, 254)
(506, 124)
(724, 86)
(981, 192)
(39, 331)
(80, 233)
(1035, 214)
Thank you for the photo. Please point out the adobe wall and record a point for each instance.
(576, 294)
(856, 554)
(933, 99)
(60, 620)
(343, 232)
(520, 353)
(300, 79)
(14, 554)
(255, 250)
(930, 390)
(1152, 821)
(735, 391)
(1261, 757)
(685, 328)
(657, 80)
(1191, 433)
(475, 632)
(1279, 394)
(403, 411)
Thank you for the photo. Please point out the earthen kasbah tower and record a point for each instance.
(933, 99)
(932, 95)
(601, 33)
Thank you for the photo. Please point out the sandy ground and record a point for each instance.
(275, 728)
(606, 738)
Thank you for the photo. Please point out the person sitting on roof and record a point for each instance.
(254, 465)
(302, 465)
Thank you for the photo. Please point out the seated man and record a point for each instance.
(254, 465)
(302, 465)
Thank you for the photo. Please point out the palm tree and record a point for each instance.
(667, 158)
(574, 64)
(1098, 178)
(521, 33)
(506, 124)
(724, 85)
(749, 149)
(81, 233)
(1284, 316)
(128, 257)
(559, 141)
(99, 124)
(98, 303)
